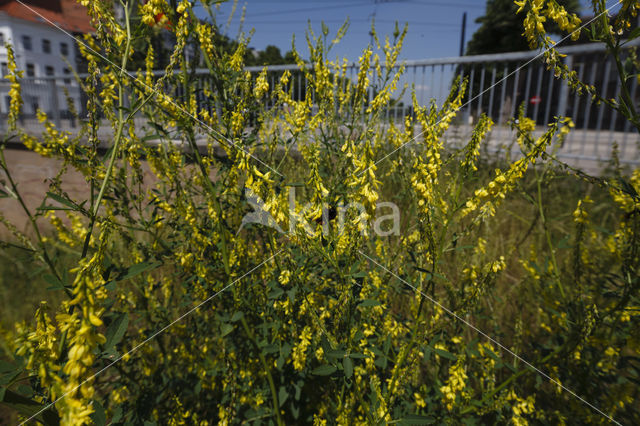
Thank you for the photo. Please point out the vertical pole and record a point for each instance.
(54, 102)
(481, 90)
(536, 108)
(415, 69)
(514, 96)
(493, 83)
(503, 93)
(614, 115)
(547, 105)
(431, 88)
(462, 33)
(470, 96)
(422, 88)
(527, 90)
(441, 94)
(587, 113)
(603, 91)
(627, 123)
(564, 91)
(576, 104)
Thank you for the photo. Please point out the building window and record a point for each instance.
(49, 71)
(64, 49)
(2, 39)
(31, 70)
(46, 46)
(26, 42)
(4, 69)
(67, 72)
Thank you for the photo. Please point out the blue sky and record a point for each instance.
(434, 25)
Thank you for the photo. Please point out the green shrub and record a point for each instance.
(501, 299)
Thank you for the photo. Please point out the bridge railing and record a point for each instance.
(497, 85)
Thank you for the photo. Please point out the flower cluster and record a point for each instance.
(15, 99)
(220, 319)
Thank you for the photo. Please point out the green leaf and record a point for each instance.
(338, 353)
(225, 329)
(55, 283)
(29, 408)
(116, 331)
(62, 200)
(8, 378)
(269, 349)
(366, 303)
(138, 268)
(445, 354)
(276, 293)
(494, 356)
(628, 188)
(633, 35)
(6, 367)
(282, 395)
(98, 416)
(415, 419)
(324, 370)
(47, 208)
(347, 364)
(356, 355)
(280, 362)
(237, 316)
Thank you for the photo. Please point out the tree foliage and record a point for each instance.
(501, 28)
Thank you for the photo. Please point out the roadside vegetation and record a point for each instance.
(508, 294)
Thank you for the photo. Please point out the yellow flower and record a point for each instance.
(261, 86)
(299, 355)
(420, 402)
(284, 277)
(15, 99)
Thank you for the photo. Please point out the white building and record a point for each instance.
(42, 51)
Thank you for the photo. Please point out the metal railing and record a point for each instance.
(498, 85)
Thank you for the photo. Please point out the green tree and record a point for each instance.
(271, 55)
(501, 28)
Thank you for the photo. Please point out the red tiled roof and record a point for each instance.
(67, 14)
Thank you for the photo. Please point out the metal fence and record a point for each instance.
(498, 85)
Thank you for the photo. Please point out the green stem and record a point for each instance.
(118, 135)
(504, 384)
(552, 249)
(225, 258)
(267, 370)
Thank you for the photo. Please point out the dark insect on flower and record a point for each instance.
(331, 213)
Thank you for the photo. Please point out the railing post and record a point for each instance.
(564, 90)
(470, 96)
(503, 93)
(54, 102)
(481, 92)
(491, 90)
